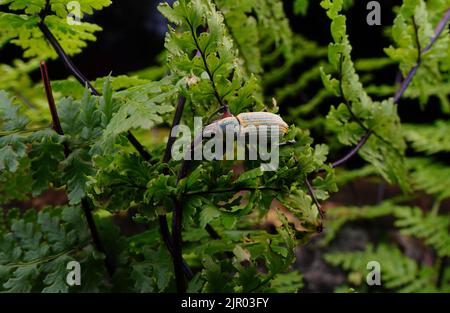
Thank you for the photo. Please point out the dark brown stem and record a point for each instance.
(138, 146)
(212, 232)
(87, 209)
(174, 249)
(175, 122)
(177, 245)
(317, 203)
(65, 58)
(176, 232)
(85, 203)
(167, 238)
(177, 229)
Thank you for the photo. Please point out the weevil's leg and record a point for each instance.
(287, 143)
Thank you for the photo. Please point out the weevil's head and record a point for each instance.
(220, 125)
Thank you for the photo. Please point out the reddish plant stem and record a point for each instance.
(85, 203)
(167, 238)
(84, 81)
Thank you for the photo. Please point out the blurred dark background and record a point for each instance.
(133, 35)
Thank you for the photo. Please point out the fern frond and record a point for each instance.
(430, 139)
(430, 176)
(23, 29)
(412, 32)
(339, 216)
(41, 245)
(398, 272)
(433, 229)
(358, 113)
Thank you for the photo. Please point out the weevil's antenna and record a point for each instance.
(226, 113)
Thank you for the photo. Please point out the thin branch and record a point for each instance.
(176, 233)
(65, 58)
(175, 122)
(317, 203)
(224, 190)
(167, 238)
(208, 71)
(51, 101)
(138, 146)
(84, 81)
(413, 71)
(174, 249)
(351, 153)
(177, 245)
(438, 30)
(416, 36)
(212, 232)
(86, 204)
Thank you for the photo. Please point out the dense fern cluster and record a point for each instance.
(109, 157)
